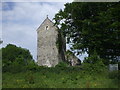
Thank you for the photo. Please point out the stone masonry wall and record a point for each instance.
(47, 51)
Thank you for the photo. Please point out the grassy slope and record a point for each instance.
(57, 79)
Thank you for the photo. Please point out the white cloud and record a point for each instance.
(32, 11)
(20, 23)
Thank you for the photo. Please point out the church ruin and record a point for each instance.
(51, 44)
(48, 53)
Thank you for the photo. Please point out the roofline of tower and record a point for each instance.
(43, 22)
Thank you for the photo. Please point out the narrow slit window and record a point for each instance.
(46, 27)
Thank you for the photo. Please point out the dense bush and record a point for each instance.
(115, 75)
(11, 52)
(61, 64)
(31, 65)
(16, 59)
(16, 67)
(93, 64)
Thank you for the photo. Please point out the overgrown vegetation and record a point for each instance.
(16, 59)
(67, 77)
(61, 45)
(91, 74)
(59, 41)
(94, 64)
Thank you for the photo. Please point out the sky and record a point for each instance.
(20, 21)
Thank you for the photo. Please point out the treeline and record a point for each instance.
(16, 59)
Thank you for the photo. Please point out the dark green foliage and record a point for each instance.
(61, 44)
(61, 64)
(59, 41)
(32, 66)
(16, 59)
(115, 75)
(92, 26)
(14, 67)
(94, 64)
(11, 52)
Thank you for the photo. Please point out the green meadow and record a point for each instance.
(67, 77)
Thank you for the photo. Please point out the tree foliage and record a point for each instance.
(12, 52)
(92, 26)
(15, 59)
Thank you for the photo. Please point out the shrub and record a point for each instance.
(61, 64)
(14, 58)
(31, 65)
(19, 66)
(11, 52)
(93, 64)
(15, 67)
(115, 75)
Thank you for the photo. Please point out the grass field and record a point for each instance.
(58, 78)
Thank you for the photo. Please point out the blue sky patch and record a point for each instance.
(8, 6)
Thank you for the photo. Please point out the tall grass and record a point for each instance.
(69, 77)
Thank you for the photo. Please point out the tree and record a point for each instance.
(12, 53)
(92, 26)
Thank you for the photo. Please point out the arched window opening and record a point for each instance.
(46, 27)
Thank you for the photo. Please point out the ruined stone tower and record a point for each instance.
(47, 50)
